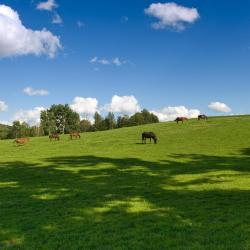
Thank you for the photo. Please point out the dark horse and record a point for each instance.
(54, 137)
(181, 119)
(202, 117)
(75, 135)
(150, 135)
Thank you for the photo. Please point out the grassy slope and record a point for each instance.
(107, 191)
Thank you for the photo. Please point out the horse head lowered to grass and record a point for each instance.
(149, 135)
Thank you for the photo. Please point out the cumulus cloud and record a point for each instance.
(48, 5)
(171, 15)
(31, 116)
(123, 105)
(86, 106)
(17, 40)
(35, 92)
(3, 106)
(116, 61)
(57, 19)
(170, 113)
(220, 107)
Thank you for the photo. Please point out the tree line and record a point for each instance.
(19, 129)
(62, 119)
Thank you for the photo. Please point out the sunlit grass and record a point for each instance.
(108, 191)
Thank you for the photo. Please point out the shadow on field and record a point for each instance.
(93, 202)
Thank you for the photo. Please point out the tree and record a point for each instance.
(5, 131)
(85, 125)
(143, 117)
(15, 129)
(110, 121)
(59, 119)
(123, 121)
(98, 121)
(137, 119)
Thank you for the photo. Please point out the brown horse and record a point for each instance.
(181, 119)
(150, 135)
(21, 141)
(75, 135)
(202, 117)
(54, 137)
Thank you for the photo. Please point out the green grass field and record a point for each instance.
(108, 191)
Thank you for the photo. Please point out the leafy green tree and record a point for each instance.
(15, 129)
(137, 119)
(4, 131)
(110, 121)
(85, 125)
(143, 117)
(123, 121)
(98, 121)
(59, 119)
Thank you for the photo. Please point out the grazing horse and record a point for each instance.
(150, 135)
(75, 135)
(54, 137)
(202, 117)
(21, 141)
(181, 119)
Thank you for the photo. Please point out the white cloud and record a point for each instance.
(17, 40)
(5, 123)
(171, 113)
(116, 61)
(104, 61)
(123, 105)
(80, 24)
(49, 5)
(220, 107)
(3, 106)
(171, 15)
(93, 60)
(35, 92)
(57, 19)
(86, 106)
(31, 116)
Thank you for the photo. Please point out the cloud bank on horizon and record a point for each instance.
(171, 113)
(31, 116)
(219, 107)
(119, 105)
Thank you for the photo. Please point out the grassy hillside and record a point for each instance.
(108, 191)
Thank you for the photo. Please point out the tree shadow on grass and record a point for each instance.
(92, 202)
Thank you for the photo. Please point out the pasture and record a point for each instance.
(108, 191)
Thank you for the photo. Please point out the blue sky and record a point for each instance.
(192, 60)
